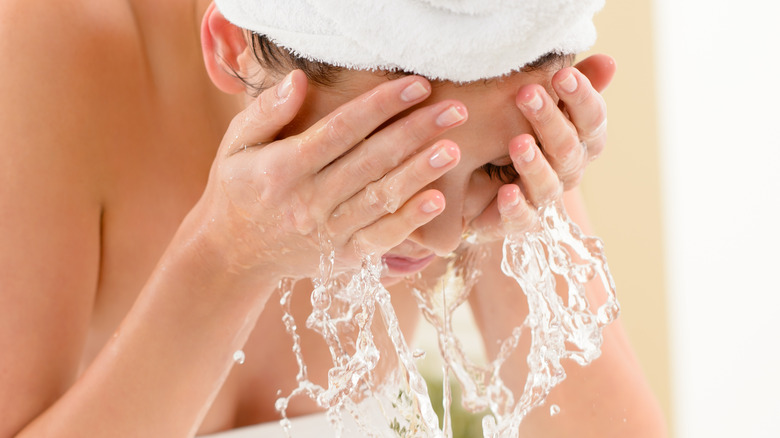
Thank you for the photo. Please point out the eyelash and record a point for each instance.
(505, 174)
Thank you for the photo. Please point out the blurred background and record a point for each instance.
(687, 200)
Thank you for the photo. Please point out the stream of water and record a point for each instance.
(551, 268)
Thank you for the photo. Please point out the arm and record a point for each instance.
(609, 397)
(49, 226)
(167, 361)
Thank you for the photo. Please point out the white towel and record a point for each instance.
(456, 40)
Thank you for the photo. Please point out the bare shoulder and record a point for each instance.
(61, 61)
(54, 90)
(64, 61)
(71, 78)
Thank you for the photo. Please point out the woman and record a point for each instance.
(136, 258)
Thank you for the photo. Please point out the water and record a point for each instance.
(557, 257)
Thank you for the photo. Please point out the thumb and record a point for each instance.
(271, 111)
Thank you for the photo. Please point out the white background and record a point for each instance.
(719, 102)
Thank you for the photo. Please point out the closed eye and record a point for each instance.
(505, 174)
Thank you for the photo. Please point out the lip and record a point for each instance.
(406, 265)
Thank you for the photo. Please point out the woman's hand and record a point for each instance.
(270, 203)
(570, 134)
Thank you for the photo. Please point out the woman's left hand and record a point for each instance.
(570, 134)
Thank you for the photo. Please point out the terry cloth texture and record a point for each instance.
(456, 40)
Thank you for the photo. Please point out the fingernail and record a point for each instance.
(413, 92)
(429, 206)
(535, 103)
(450, 116)
(569, 83)
(284, 89)
(441, 158)
(528, 154)
(513, 201)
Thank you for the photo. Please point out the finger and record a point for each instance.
(599, 69)
(487, 226)
(393, 229)
(352, 122)
(558, 137)
(516, 214)
(540, 182)
(585, 106)
(262, 120)
(389, 193)
(508, 212)
(388, 148)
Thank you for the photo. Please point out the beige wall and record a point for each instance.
(622, 187)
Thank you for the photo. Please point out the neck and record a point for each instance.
(177, 13)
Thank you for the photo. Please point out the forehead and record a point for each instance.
(493, 116)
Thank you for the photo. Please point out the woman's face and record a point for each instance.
(493, 120)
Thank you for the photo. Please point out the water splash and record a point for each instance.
(556, 257)
(343, 313)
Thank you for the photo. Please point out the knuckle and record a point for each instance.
(396, 154)
(596, 147)
(584, 95)
(572, 180)
(241, 120)
(266, 110)
(360, 239)
(413, 221)
(299, 217)
(382, 105)
(263, 104)
(550, 190)
(415, 131)
(520, 219)
(379, 198)
(569, 157)
(318, 213)
(334, 226)
(599, 113)
(339, 131)
(596, 123)
(369, 164)
(546, 115)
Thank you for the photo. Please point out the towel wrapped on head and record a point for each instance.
(456, 40)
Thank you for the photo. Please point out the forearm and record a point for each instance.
(158, 374)
(607, 398)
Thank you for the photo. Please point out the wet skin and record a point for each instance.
(362, 162)
(128, 270)
(488, 122)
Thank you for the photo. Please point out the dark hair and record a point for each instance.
(275, 58)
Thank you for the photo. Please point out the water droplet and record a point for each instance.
(239, 357)
(344, 306)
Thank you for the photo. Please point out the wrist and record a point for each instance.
(219, 260)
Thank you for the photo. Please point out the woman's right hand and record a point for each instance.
(269, 201)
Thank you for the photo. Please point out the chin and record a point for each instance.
(391, 280)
